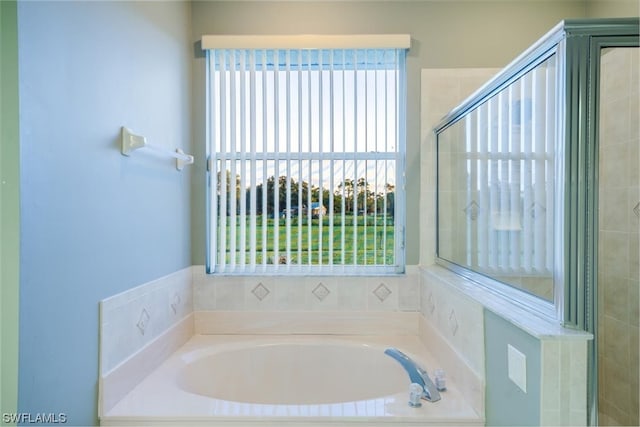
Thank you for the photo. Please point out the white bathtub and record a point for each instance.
(287, 380)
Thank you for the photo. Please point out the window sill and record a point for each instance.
(295, 271)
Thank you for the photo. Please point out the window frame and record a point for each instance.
(327, 269)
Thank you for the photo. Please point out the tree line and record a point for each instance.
(358, 196)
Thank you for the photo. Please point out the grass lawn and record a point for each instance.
(366, 242)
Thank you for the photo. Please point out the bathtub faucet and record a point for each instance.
(416, 374)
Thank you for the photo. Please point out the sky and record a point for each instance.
(316, 115)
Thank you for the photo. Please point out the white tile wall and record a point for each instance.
(458, 319)
(308, 293)
(309, 322)
(619, 238)
(442, 89)
(131, 320)
(470, 383)
(563, 386)
(115, 384)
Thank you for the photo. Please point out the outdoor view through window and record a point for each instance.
(307, 154)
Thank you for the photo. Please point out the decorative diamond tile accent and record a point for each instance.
(472, 210)
(453, 322)
(431, 303)
(636, 210)
(143, 322)
(321, 291)
(536, 210)
(175, 303)
(382, 292)
(260, 291)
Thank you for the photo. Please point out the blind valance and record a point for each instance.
(307, 41)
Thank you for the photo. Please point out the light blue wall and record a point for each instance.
(95, 223)
(505, 403)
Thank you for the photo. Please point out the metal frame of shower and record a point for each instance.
(577, 44)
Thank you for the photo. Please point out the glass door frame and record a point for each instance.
(592, 47)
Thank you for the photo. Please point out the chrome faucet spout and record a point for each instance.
(416, 374)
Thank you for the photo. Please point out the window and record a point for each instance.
(306, 150)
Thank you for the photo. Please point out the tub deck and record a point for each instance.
(159, 400)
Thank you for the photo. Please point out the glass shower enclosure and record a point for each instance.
(538, 194)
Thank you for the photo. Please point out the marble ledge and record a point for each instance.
(529, 321)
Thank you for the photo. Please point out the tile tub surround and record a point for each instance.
(296, 323)
(114, 385)
(160, 398)
(241, 306)
(306, 293)
(452, 326)
(448, 321)
(563, 352)
(139, 328)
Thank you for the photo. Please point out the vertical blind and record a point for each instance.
(306, 160)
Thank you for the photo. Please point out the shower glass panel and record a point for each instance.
(618, 227)
(496, 184)
(538, 195)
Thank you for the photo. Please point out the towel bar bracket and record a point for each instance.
(131, 142)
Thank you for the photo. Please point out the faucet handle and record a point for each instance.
(415, 394)
(440, 379)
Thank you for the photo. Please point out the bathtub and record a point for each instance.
(287, 380)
